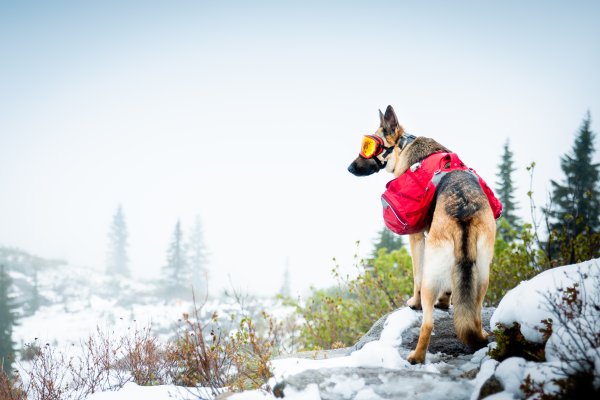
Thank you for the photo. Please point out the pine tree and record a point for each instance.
(197, 257)
(286, 289)
(34, 304)
(176, 269)
(505, 188)
(117, 262)
(8, 318)
(388, 240)
(575, 203)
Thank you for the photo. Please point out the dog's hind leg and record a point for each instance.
(443, 301)
(485, 252)
(438, 261)
(417, 248)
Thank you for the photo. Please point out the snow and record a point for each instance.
(527, 304)
(346, 385)
(485, 372)
(367, 394)
(379, 353)
(132, 391)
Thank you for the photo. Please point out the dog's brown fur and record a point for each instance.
(453, 260)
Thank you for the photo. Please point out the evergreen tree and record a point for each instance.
(388, 240)
(117, 262)
(575, 203)
(505, 188)
(197, 257)
(34, 304)
(176, 269)
(286, 289)
(8, 318)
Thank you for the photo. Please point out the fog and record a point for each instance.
(247, 115)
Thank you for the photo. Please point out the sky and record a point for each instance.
(247, 115)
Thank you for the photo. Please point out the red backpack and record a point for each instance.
(407, 199)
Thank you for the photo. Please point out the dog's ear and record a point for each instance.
(389, 121)
(381, 119)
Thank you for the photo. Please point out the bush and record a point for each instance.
(565, 249)
(571, 341)
(339, 316)
(209, 355)
(516, 258)
(11, 388)
(511, 343)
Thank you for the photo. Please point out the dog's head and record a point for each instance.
(392, 139)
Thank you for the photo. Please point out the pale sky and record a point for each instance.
(248, 114)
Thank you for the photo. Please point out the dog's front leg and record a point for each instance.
(417, 249)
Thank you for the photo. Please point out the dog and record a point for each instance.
(451, 257)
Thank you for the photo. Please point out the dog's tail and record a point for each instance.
(466, 287)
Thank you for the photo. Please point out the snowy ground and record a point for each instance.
(83, 300)
(527, 304)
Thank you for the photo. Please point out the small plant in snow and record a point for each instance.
(573, 347)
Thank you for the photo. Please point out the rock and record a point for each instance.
(377, 383)
(443, 339)
(373, 334)
(455, 364)
(278, 390)
(490, 387)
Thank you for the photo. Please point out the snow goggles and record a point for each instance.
(371, 146)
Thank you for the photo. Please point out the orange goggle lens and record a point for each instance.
(371, 146)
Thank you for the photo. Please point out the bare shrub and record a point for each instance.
(145, 358)
(103, 361)
(217, 355)
(220, 358)
(251, 352)
(575, 341)
(11, 388)
(47, 377)
(198, 354)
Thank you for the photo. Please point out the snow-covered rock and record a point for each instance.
(535, 300)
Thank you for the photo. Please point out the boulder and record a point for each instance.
(451, 378)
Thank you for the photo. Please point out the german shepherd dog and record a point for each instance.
(451, 257)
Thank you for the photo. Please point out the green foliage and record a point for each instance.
(566, 249)
(339, 316)
(575, 203)
(209, 355)
(505, 187)
(8, 318)
(516, 258)
(510, 342)
(386, 239)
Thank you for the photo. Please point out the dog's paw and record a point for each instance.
(415, 358)
(443, 302)
(414, 303)
(441, 305)
(485, 335)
